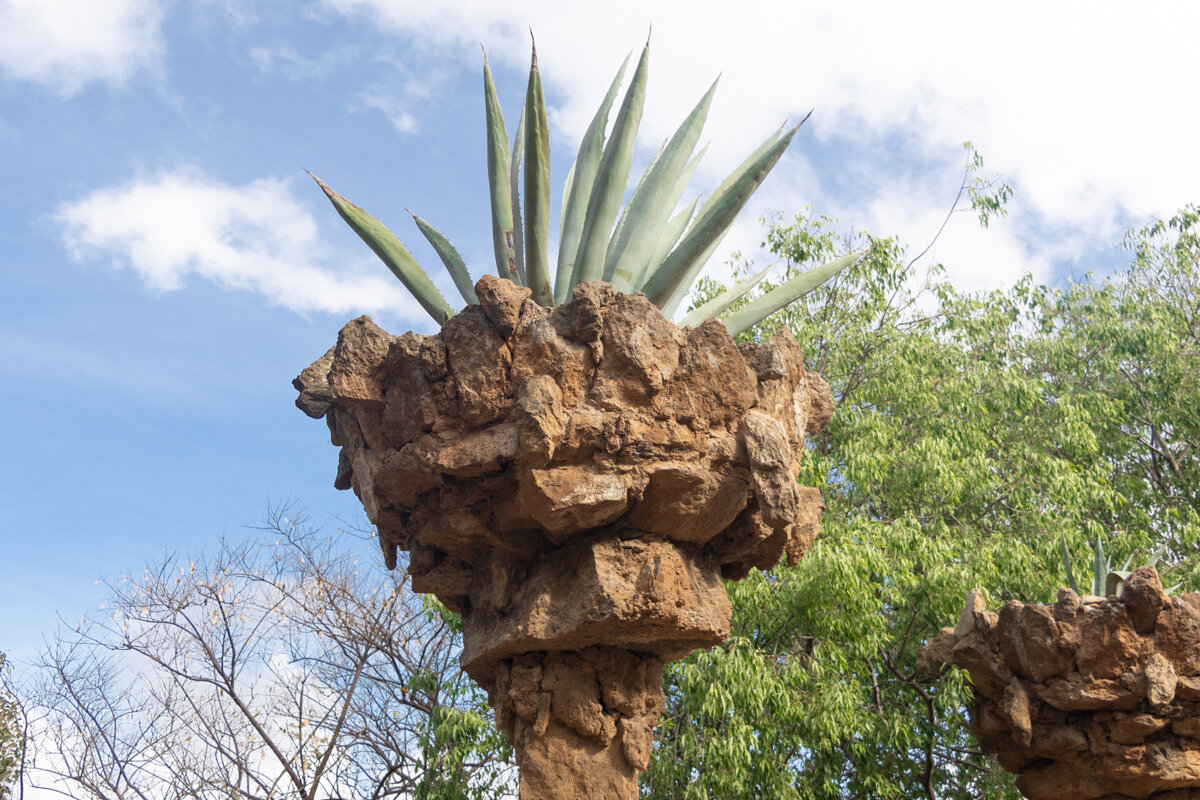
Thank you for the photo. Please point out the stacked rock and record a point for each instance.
(1087, 698)
(575, 481)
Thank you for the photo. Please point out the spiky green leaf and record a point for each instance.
(626, 216)
(537, 190)
(514, 188)
(651, 208)
(786, 293)
(724, 300)
(450, 257)
(575, 201)
(680, 268)
(498, 179)
(670, 237)
(1066, 556)
(394, 254)
(611, 176)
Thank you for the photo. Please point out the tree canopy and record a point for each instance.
(974, 435)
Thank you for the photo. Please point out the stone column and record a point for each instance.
(580, 722)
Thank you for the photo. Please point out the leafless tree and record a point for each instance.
(278, 668)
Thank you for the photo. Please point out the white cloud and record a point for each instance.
(392, 107)
(68, 44)
(255, 237)
(1085, 108)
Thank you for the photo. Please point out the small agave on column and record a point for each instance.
(567, 469)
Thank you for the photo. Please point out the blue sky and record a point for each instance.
(168, 267)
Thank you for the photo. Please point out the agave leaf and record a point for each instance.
(537, 190)
(626, 216)
(562, 212)
(1100, 569)
(1066, 555)
(394, 254)
(724, 300)
(514, 186)
(786, 293)
(650, 209)
(1114, 582)
(611, 176)
(450, 257)
(575, 201)
(679, 269)
(675, 226)
(1156, 556)
(672, 304)
(498, 179)
(670, 236)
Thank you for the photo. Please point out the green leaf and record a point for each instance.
(675, 275)
(514, 185)
(1100, 569)
(724, 300)
(450, 257)
(670, 237)
(651, 207)
(611, 178)
(537, 190)
(786, 293)
(394, 254)
(1066, 556)
(575, 202)
(626, 216)
(498, 179)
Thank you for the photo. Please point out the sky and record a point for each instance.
(168, 267)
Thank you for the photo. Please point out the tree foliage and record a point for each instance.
(973, 433)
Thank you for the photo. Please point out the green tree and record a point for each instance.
(973, 433)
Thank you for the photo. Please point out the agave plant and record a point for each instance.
(1105, 579)
(647, 246)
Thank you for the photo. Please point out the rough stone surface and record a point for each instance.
(1089, 698)
(576, 481)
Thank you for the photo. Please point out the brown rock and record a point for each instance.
(688, 503)
(1108, 645)
(1158, 677)
(1134, 728)
(770, 468)
(652, 597)
(354, 373)
(1078, 693)
(566, 500)
(480, 361)
(820, 404)
(540, 348)
(410, 406)
(1059, 741)
(541, 419)
(1014, 707)
(973, 654)
(1176, 635)
(1030, 642)
(1144, 598)
(976, 604)
(804, 531)
(714, 385)
(501, 301)
(641, 353)
(934, 657)
(1187, 687)
(313, 384)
